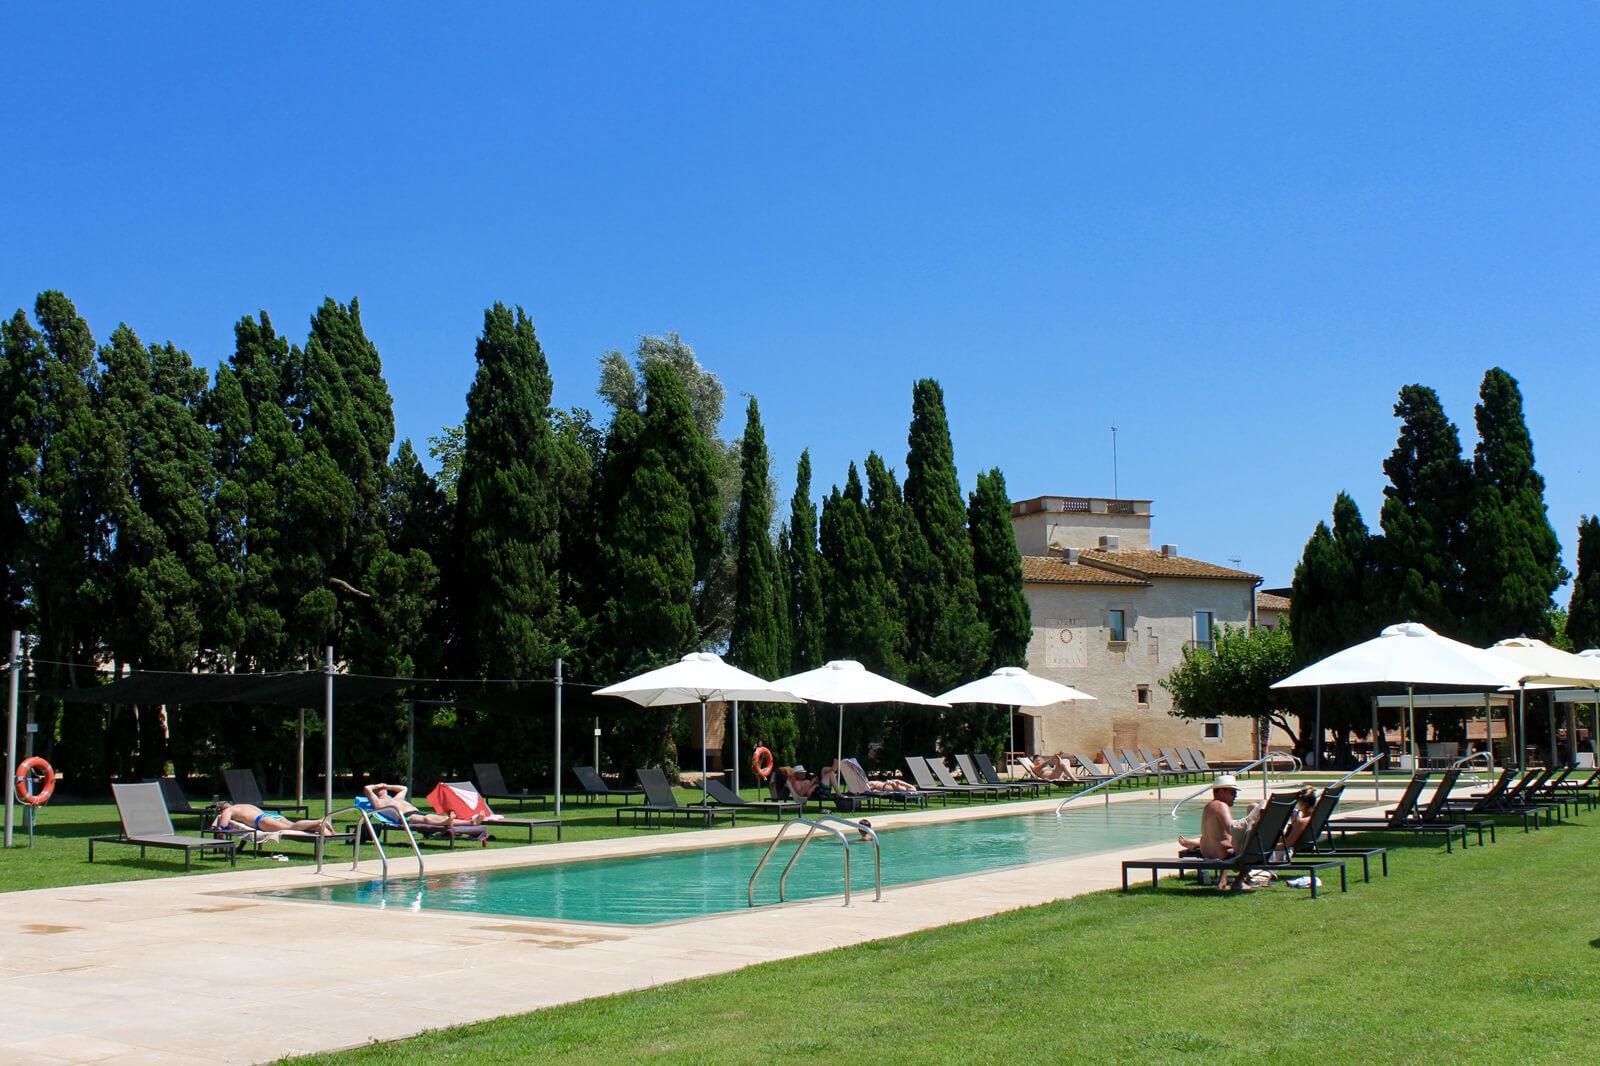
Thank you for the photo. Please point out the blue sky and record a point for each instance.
(1233, 232)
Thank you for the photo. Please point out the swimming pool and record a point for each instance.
(697, 882)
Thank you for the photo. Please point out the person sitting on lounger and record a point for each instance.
(249, 816)
(1221, 837)
(391, 799)
(801, 785)
(876, 784)
(1305, 803)
(1053, 768)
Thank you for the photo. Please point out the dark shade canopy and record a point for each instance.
(299, 688)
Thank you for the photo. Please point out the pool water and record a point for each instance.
(694, 883)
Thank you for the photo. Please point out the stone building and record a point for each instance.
(1111, 616)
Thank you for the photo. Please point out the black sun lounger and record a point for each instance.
(1255, 855)
(987, 774)
(492, 785)
(1494, 802)
(146, 824)
(178, 803)
(660, 802)
(244, 788)
(596, 787)
(727, 797)
(1403, 818)
(1315, 840)
(853, 782)
(975, 776)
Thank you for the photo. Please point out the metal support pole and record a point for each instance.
(736, 745)
(1376, 740)
(1522, 726)
(597, 743)
(1550, 718)
(558, 737)
(705, 793)
(839, 758)
(1316, 750)
(411, 745)
(14, 665)
(1488, 728)
(1411, 725)
(300, 761)
(327, 731)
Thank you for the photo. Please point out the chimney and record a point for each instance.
(1110, 542)
(1169, 551)
(1071, 556)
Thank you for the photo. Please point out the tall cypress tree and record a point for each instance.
(886, 526)
(755, 643)
(1583, 612)
(1332, 609)
(1512, 560)
(507, 511)
(948, 640)
(805, 574)
(1423, 517)
(997, 564)
(21, 374)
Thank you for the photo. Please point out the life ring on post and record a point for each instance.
(761, 760)
(25, 792)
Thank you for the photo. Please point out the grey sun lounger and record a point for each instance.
(1198, 757)
(1094, 775)
(1177, 763)
(1255, 855)
(1316, 841)
(492, 785)
(146, 824)
(727, 797)
(941, 773)
(1437, 811)
(178, 803)
(853, 782)
(922, 777)
(1403, 818)
(1164, 765)
(660, 802)
(1495, 803)
(243, 787)
(975, 776)
(987, 774)
(596, 787)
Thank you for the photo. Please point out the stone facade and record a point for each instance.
(1084, 596)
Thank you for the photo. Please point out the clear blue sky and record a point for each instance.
(1235, 233)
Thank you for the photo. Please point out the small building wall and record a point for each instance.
(1056, 522)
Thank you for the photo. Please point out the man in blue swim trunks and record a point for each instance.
(249, 816)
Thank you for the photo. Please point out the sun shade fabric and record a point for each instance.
(847, 681)
(1012, 686)
(1408, 654)
(300, 688)
(1548, 666)
(697, 677)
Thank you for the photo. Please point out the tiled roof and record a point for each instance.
(1054, 570)
(1145, 563)
(1267, 601)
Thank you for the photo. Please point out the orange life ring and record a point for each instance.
(761, 760)
(25, 791)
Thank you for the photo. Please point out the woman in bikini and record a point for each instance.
(392, 798)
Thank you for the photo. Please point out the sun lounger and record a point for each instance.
(1256, 854)
(1316, 841)
(661, 802)
(1161, 764)
(1403, 818)
(254, 839)
(941, 773)
(388, 822)
(1091, 769)
(244, 788)
(1187, 761)
(853, 782)
(1551, 791)
(922, 777)
(178, 803)
(595, 787)
(1437, 810)
(975, 776)
(727, 797)
(146, 824)
(987, 775)
(1068, 783)
(1177, 764)
(1493, 802)
(492, 785)
(1198, 757)
(497, 821)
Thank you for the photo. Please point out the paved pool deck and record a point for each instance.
(197, 970)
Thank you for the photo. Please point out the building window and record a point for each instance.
(1141, 695)
(1205, 624)
(1211, 730)
(1117, 623)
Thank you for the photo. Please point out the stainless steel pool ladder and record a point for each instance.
(1142, 770)
(377, 842)
(1266, 774)
(828, 823)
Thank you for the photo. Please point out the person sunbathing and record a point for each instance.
(1221, 837)
(1053, 768)
(391, 799)
(249, 816)
(1305, 803)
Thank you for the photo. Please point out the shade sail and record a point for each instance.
(698, 678)
(1012, 686)
(298, 688)
(1408, 654)
(847, 681)
(1544, 665)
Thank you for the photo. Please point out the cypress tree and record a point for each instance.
(1512, 560)
(997, 564)
(948, 640)
(805, 574)
(886, 526)
(754, 642)
(784, 559)
(1423, 517)
(1583, 612)
(1332, 610)
(21, 373)
(507, 512)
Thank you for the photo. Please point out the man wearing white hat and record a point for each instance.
(1221, 836)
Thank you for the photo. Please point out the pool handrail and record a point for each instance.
(1246, 768)
(1372, 762)
(1142, 770)
(377, 842)
(828, 823)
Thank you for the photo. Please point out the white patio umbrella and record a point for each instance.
(1012, 686)
(1545, 667)
(1408, 654)
(845, 681)
(698, 677)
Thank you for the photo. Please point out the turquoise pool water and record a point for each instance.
(644, 889)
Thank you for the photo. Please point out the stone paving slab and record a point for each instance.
(152, 971)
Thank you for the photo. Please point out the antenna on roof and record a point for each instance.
(1116, 490)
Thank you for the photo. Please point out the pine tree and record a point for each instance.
(997, 564)
(507, 511)
(1583, 613)
(1512, 560)
(805, 575)
(754, 643)
(949, 642)
(1423, 517)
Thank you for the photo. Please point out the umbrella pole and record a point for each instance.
(1411, 725)
(705, 793)
(1550, 719)
(1011, 739)
(1316, 750)
(557, 774)
(300, 761)
(15, 664)
(1488, 729)
(1522, 724)
(736, 745)
(1376, 741)
(839, 758)
(411, 745)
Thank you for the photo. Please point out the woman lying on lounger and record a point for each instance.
(1053, 768)
(392, 799)
(249, 816)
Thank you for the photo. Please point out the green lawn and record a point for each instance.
(1486, 955)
